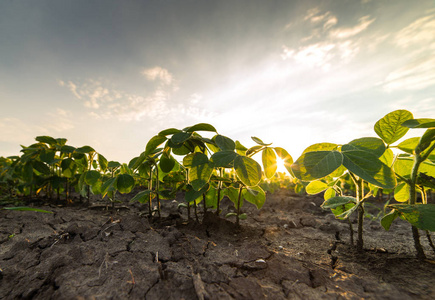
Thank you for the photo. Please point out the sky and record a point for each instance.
(112, 74)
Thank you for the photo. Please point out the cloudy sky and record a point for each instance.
(111, 74)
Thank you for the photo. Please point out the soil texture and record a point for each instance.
(290, 249)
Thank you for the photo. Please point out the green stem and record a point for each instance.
(219, 192)
(157, 191)
(412, 201)
(238, 206)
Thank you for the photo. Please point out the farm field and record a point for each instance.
(290, 249)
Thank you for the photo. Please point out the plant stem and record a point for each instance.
(150, 188)
(412, 201)
(219, 192)
(351, 231)
(205, 204)
(157, 191)
(238, 206)
(430, 240)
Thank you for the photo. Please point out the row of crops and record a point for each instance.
(207, 169)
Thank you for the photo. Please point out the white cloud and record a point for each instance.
(327, 45)
(420, 33)
(416, 72)
(158, 73)
(159, 102)
(343, 33)
(415, 75)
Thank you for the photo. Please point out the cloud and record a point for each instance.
(342, 33)
(419, 33)
(158, 73)
(327, 44)
(416, 75)
(159, 102)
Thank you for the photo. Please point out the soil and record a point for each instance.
(290, 249)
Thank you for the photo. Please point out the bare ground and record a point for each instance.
(290, 249)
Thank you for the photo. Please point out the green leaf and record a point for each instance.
(260, 142)
(108, 186)
(67, 149)
(372, 145)
(102, 161)
(85, 150)
(142, 197)
(344, 212)
(421, 216)
(68, 167)
(255, 195)
(25, 208)
(113, 164)
(409, 145)
(388, 157)
(401, 192)
(321, 147)
(223, 159)
(180, 138)
(315, 187)
(253, 150)
(233, 194)
(200, 127)
(269, 162)
(167, 163)
(240, 149)
(41, 167)
(124, 183)
(367, 166)
(317, 164)
(426, 140)
(224, 143)
(335, 202)
(248, 170)
(200, 169)
(169, 131)
(286, 158)
(27, 172)
(91, 177)
(419, 123)
(153, 143)
(390, 128)
(193, 195)
(47, 156)
(329, 193)
(388, 219)
(46, 139)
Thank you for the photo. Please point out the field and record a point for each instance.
(200, 217)
(290, 249)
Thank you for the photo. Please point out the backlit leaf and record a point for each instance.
(390, 128)
(255, 195)
(314, 165)
(223, 159)
(421, 216)
(367, 166)
(180, 137)
(335, 202)
(224, 143)
(153, 143)
(329, 193)
(401, 192)
(369, 144)
(315, 187)
(269, 162)
(286, 158)
(248, 170)
(259, 141)
(200, 127)
(321, 147)
(419, 123)
(388, 219)
(169, 131)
